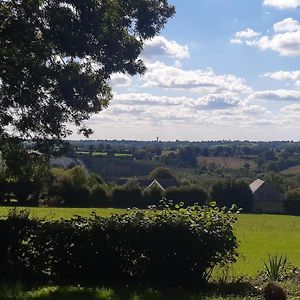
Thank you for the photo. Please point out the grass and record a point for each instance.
(259, 235)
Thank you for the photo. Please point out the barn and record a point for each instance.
(266, 199)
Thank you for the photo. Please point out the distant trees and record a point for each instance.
(161, 173)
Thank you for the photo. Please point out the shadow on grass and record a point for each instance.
(214, 291)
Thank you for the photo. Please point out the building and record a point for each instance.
(266, 199)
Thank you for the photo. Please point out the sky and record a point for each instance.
(220, 70)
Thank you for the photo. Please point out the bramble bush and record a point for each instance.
(169, 246)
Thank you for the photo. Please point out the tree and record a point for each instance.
(161, 173)
(229, 192)
(57, 58)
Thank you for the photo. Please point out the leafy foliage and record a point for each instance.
(166, 247)
(229, 192)
(57, 57)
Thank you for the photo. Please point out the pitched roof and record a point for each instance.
(155, 182)
(255, 185)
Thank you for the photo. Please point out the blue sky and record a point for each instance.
(221, 69)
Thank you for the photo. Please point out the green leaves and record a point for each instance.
(165, 247)
(275, 269)
(57, 56)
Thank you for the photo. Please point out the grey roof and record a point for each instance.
(255, 185)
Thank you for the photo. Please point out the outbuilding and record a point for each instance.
(266, 199)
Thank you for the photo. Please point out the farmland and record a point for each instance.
(225, 162)
(292, 170)
(259, 235)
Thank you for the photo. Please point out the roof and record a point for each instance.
(155, 182)
(255, 185)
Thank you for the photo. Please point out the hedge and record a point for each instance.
(166, 247)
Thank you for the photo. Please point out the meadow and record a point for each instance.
(258, 235)
(225, 162)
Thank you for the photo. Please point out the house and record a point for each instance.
(266, 199)
(160, 183)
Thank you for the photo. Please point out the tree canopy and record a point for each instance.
(57, 58)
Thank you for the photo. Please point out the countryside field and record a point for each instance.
(259, 235)
(225, 162)
(292, 170)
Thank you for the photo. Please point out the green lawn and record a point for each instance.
(259, 235)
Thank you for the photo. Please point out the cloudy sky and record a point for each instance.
(221, 69)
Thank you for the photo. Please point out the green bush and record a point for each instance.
(127, 196)
(189, 195)
(232, 192)
(166, 247)
(292, 205)
(98, 196)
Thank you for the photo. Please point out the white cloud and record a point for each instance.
(247, 34)
(291, 109)
(293, 76)
(286, 39)
(282, 4)
(276, 95)
(202, 81)
(287, 25)
(144, 99)
(160, 46)
(120, 80)
(236, 41)
(217, 102)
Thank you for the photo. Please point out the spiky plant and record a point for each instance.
(275, 269)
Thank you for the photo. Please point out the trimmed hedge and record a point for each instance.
(166, 247)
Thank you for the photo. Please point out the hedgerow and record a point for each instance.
(168, 246)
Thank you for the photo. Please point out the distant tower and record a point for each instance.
(157, 139)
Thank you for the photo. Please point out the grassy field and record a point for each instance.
(292, 170)
(259, 235)
(225, 162)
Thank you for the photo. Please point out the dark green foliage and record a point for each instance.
(98, 196)
(292, 205)
(57, 57)
(127, 196)
(152, 196)
(161, 173)
(165, 247)
(24, 174)
(229, 192)
(189, 195)
(273, 291)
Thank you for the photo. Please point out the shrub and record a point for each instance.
(98, 196)
(229, 192)
(274, 292)
(128, 195)
(152, 196)
(166, 247)
(292, 204)
(189, 195)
